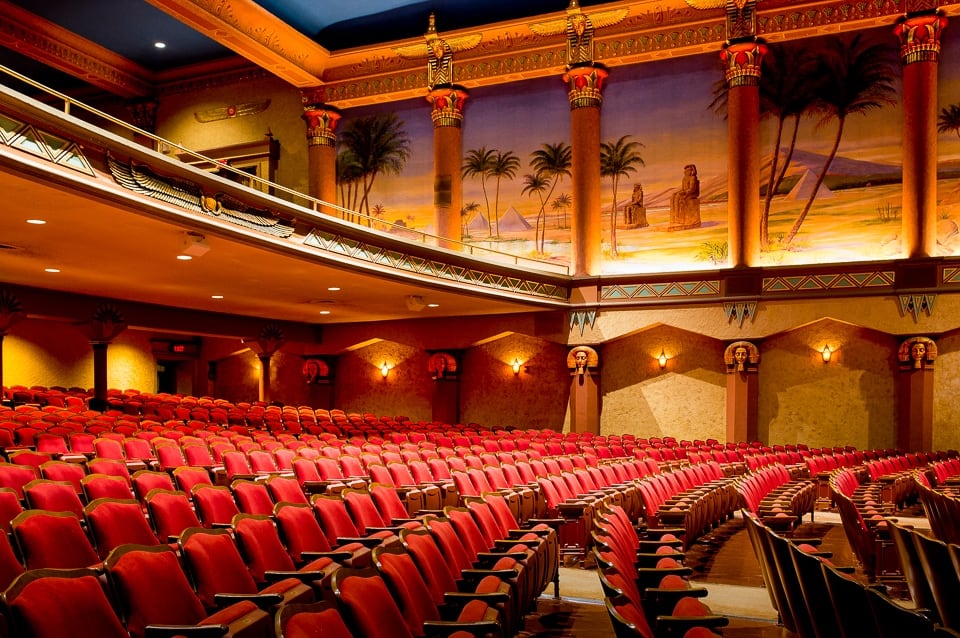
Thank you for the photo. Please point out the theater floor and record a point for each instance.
(724, 563)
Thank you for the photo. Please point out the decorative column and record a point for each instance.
(321, 123)
(583, 362)
(446, 102)
(445, 373)
(742, 55)
(915, 405)
(919, 32)
(10, 312)
(585, 86)
(107, 323)
(741, 360)
(266, 345)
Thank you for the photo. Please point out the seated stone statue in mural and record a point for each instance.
(635, 213)
(685, 203)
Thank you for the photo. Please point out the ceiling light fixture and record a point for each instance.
(433, 305)
(37, 222)
(324, 312)
(184, 257)
(334, 288)
(160, 44)
(216, 296)
(51, 270)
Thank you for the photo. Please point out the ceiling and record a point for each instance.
(116, 251)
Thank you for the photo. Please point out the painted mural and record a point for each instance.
(948, 146)
(830, 192)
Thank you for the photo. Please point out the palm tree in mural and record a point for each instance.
(551, 162)
(381, 145)
(468, 209)
(348, 180)
(478, 163)
(949, 119)
(857, 75)
(788, 88)
(505, 164)
(378, 211)
(618, 159)
(561, 202)
(536, 183)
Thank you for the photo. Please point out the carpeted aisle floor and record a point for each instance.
(724, 563)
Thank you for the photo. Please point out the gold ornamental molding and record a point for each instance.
(511, 51)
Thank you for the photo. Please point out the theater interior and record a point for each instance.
(672, 286)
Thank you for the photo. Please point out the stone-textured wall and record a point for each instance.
(406, 391)
(685, 400)
(946, 389)
(492, 394)
(851, 400)
(48, 353)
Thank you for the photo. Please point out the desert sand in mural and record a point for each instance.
(856, 224)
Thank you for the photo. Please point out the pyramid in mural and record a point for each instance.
(512, 221)
(478, 225)
(804, 187)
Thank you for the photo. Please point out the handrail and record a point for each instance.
(311, 204)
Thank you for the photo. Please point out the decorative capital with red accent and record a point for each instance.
(742, 61)
(586, 85)
(447, 105)
(920, 37)
(321, 124)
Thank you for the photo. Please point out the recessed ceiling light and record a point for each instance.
(216, 296)
(433, 305)
(334, 288)
(160, 45)
(37, 222)
(324, 312)
(184, 257)
(51, 270)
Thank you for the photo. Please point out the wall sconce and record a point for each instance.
(516, 366)
(662, 359)
(826, 354)
(384, 369)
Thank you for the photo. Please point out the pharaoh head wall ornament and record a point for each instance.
(581, 359)
(917, 353)
(442, 365)
(741, 356)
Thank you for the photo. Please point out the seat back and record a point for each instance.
(214, 504)
(311, 620)
(170, 512)
(252, 497)
(213, 560)
(368, 604)
(55, 603)
(114, 522)
(52, 540)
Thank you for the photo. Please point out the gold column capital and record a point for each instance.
(585, 84)
(321, 124)
(446, 105)
(920, 37)
(742, 62)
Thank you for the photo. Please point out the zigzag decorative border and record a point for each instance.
(19, 135)
(355, 249)
(667, 289)
(950, 275)
(830, 281)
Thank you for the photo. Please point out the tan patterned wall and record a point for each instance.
(686, 400)
(946, 389)
(851, 400)
(491, 394)
(362, 388)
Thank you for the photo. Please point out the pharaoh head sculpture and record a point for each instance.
(917, 353)
(741, 356)
(581, 358)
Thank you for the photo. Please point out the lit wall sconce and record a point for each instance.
(384, 369)
(516, 366)
(826, 354)
(662, 359)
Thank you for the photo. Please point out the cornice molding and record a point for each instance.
(35, 37)
(256, 34)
